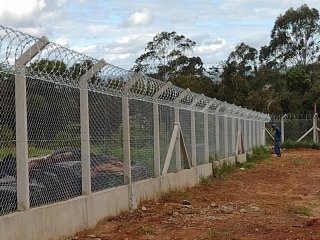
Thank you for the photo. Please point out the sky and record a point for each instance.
(119, 30)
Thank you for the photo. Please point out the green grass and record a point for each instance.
(224, 171)
(258, 154)
(175, 196)
(205, 180)
(302, 144)
(147, 229)
(216, 233)
(300, 160)
(32, 151)
(302, 211)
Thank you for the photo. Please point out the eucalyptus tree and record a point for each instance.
(162, 55)
(295, 39)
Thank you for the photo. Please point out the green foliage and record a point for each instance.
(69, 136)
(147, 229)
(205, 180)
(224, 170)
(175, 196)
(303, 211)
(6, 134)
(302, 144)
(217, 233)
(259, 153)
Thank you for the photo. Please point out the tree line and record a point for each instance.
(281, 77)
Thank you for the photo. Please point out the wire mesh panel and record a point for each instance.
(212, 135)
(230, 135)
(185, 121)
(242, 133)
(8, 190)
(141, 137)
(54, 142)
(200, 137)
(236, 129)
(166, 115)
(55, 76)
(221, 137)
(105, 113)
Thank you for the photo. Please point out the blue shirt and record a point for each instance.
(277, 134)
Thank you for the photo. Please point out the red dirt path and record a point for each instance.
(270, 201)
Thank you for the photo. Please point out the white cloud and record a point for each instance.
(63, 41)
(210, 47)
(13, 11)
(140, 18)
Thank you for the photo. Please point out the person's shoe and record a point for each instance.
(279, 155)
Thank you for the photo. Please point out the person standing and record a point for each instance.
(277, 139)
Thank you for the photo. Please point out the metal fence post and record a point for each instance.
(23, 199)
(126, 140)
(315, 126)
(84, 126)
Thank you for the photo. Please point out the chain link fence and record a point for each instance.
(293, 126)
(71, 124)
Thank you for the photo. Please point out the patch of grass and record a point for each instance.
(168, 225)
(299, 161)
(224, 170)
(303, 144)
(302, 211)
(175, 196)
(205, 180)
(248, 165)
(147, 229)
(216, 233)
(259, 153)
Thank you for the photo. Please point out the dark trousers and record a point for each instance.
(277, 147)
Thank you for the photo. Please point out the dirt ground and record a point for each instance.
(277, 199)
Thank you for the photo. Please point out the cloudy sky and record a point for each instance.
(118, 30)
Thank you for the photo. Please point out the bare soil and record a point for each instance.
(279, 198)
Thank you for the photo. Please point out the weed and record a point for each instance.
(303, 144)
(224, 170)
(216, 233)
(299, 161)
(168, 225)
(175, 196)
(205, 180)
(147, 229)
(259, 153)
(303, 211)
(248, 165)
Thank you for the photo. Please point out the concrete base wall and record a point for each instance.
(64, 219)
(241, 158)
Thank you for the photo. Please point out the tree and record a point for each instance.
(164, 54)
(244, 59)
(297, 80)
(294, 38)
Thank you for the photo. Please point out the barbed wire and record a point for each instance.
(64, 66)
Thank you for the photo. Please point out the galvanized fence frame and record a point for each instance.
(295, 127)
(179, 124)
